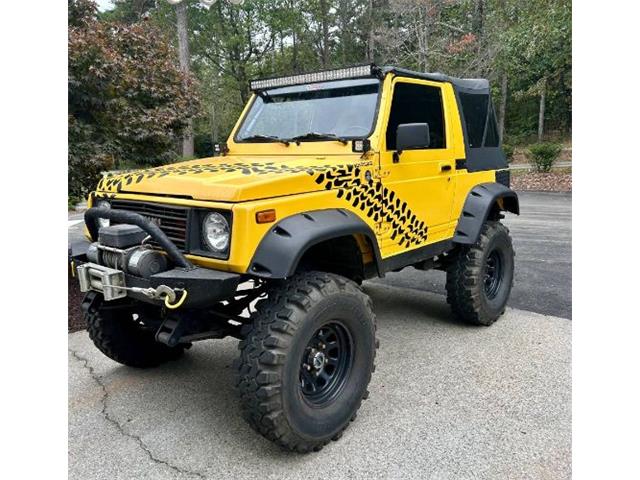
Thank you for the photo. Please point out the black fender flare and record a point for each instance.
(282, 247)
(479, 203)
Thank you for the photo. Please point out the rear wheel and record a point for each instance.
(126, 334)
(307, 360)
(479, 277)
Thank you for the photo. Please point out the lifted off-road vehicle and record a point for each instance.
(328, 179)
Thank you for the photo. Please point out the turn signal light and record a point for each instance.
(266, 216)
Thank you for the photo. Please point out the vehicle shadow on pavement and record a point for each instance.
(407, 304)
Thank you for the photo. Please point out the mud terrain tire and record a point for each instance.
(480, 276)
(122, 338)
(302, 317)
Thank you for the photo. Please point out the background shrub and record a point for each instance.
(542, 155)
(508, 150)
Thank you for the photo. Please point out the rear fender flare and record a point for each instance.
(481, 200)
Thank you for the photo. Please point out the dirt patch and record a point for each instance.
(542, 182)
(76, 320)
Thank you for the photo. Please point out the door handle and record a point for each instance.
(445, 167)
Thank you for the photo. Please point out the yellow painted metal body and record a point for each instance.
(320, 175)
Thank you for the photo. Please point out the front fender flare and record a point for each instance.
(477, 207)
(281, 249)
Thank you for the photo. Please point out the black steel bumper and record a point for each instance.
(204, 286)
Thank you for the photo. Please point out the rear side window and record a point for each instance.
(414, 103)
(478, 114)
(491, 138)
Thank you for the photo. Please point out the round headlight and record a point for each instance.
(215, 232)
(103, 222)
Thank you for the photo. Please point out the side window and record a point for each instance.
(475, 108)
(491, 138)
(414, 103)
(475, 116)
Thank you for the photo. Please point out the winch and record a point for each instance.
(122, 247)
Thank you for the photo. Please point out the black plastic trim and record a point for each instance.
(281, 249)
(414, 256)
(477, 207)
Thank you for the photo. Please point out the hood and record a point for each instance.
(234, 178)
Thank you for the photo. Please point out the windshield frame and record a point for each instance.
(256, 95)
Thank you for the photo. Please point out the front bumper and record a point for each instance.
(204, 286)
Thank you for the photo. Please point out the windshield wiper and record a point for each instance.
(265, 138)
(318, 136)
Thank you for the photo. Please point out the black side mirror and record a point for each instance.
(412, 136)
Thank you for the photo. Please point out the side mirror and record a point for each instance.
(412, 136)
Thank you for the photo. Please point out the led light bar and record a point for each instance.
(359, 71)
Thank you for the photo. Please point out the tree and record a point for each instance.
(128, 100)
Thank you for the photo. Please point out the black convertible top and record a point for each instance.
(466, 85)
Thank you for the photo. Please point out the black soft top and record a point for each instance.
(467, 85)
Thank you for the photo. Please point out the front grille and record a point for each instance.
(172, 220)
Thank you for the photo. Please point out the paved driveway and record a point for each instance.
(448, 401)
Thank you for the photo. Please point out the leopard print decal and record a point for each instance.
(376, 201)
(118, 182)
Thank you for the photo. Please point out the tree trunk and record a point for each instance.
(325, 33)
(543, 95)
(502, 110)
(294, 59)
(370, 37)
(478, 21)
(214, 119)
(183, 53)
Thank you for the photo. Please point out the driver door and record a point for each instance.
(418, 184)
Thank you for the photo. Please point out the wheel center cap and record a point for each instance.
(318, 360)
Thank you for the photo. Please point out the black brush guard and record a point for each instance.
(204, 286)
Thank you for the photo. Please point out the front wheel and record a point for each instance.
(126, 334)
(480, 276)
(306, 362)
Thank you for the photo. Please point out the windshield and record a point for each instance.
(342, 109)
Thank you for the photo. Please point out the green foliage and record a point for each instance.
(508, 150)
(543, 155)
(526, 40)
(128, 100)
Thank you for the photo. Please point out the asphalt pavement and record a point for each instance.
(448, 401)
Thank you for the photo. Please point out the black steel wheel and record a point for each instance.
(480, 276)
(325, 363)
(493, 273)
(307, 360)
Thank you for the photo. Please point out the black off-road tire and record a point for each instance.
(269, 370)
(470, 300)
(122, 338)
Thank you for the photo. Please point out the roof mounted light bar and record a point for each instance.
(357, 71)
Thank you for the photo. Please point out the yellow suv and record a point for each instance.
(328, 178)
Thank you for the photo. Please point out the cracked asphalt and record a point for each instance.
(448, 401)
